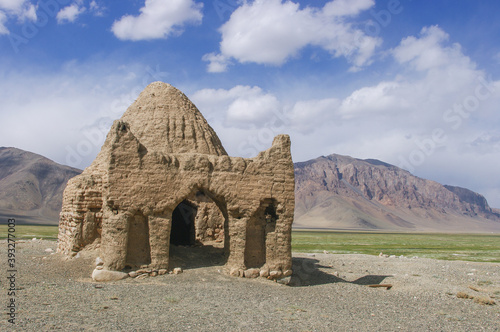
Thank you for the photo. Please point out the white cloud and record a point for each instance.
(427, 52)
(376, 100)
(3, 28)
(240, 106)
(20, 9)
(69, 13)
(158, 19)
(439, 114)
(28, 13)
(272, 31)
(218, 63)
(96, 9)
(12, 5)
(308, 115)
(347, 7)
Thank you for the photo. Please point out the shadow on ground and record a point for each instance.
(192, 257)
(308, 272)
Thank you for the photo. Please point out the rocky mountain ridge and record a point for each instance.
(31, 186)
(343, 192)
(332, 192)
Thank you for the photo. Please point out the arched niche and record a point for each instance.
(258, 227)
(138, 247)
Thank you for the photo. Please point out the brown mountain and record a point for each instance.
(334, 192)
(31, 187)
(341, 192)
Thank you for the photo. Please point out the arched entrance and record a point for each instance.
(183, 224)
(199, 233)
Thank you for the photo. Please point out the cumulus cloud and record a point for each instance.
(273, 31)
(308, 115)
(426, 52)
(437, 118)
(96, 8)
(437, 75)
(69, 13)
(218, 63)
(12, 5)
(374, 100)
(22, 10)
(28, 13)
(158, 19)
(240, 106)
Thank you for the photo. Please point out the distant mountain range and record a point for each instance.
(333, 192)
(31, 187)
(341, 192)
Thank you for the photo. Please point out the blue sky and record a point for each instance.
(413, 83)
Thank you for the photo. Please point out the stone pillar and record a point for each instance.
(237, 233)
(114, 240)
(159, 240)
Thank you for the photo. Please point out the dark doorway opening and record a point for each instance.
(183, 230)
(199, 236)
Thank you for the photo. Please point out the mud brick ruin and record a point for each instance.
(163, 178)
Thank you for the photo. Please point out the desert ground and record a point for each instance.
(328, 292)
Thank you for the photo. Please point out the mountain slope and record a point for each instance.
(336, 192)
(31, 186)
(346, 193)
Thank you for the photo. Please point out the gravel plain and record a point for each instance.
(328, 292)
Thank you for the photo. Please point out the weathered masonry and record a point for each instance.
(163, 178)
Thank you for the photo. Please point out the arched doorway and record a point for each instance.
(183, 224)
(199, 234)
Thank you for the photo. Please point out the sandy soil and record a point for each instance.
(329, 293)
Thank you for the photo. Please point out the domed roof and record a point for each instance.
(163, 119)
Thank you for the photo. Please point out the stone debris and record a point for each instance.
(177, 270)
(275, 274)
(161, 167)
(99, 261)
(49, 250)
(284, 281)
(252, 273)
(107, 275)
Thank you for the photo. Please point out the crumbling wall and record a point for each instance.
(80, 222)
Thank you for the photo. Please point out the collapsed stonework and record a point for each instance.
(163, 178)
